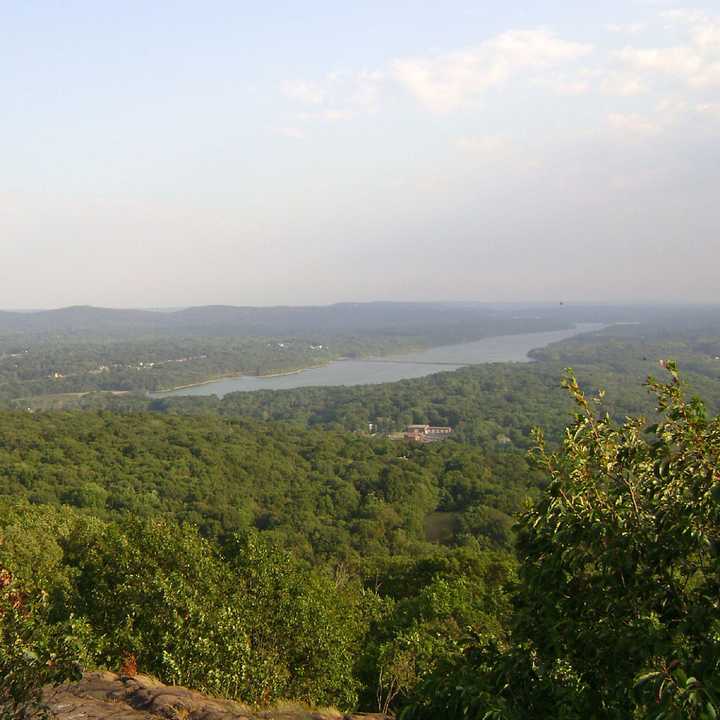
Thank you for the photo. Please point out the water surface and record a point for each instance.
(391, 368)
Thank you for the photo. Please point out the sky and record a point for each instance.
(235, 152)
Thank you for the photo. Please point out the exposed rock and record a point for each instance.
(120, 697)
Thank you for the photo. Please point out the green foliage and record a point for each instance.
(313, 577)
(618, 568)
(616, 606)
(33, 651)
(327, 495)
(426, 631)
(251, 624)
(60, 367)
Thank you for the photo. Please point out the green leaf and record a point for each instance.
(646, 677)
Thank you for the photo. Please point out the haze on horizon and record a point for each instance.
(173, 154)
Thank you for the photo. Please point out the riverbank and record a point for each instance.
(390, 368)
(237, 376)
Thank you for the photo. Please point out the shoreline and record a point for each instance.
(159, 394)
(232, 376)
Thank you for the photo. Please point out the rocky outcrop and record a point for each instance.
(120, 697)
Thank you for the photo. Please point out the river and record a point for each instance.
(391, 368)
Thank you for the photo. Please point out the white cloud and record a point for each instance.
(293, 133)
(671, 109)
(364, 91)
(339, 96)
(704, 29)
(329, 115)
(571, 87)
(626, 29)
(709, 109)
(485, 144)
(679, 60)
(633, 123)
(696, 63)
(500, 153)
(304, 92)
(446, 82)
(538, 58)
(579, 83)
(688, 16)
(668, 113)
(624, 84)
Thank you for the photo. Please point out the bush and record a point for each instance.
(617, 608)
(252, 624)
(33, 651)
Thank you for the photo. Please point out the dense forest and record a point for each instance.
(31, 370)
(265, 562)
(328, 495)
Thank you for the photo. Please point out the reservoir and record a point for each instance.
(391, 368)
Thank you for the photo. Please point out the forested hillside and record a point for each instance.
(493, 405)
(32, 369)
(316, 576)
(443, 322)
(325, 494)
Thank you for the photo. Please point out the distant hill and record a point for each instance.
(79, 319)
(437, 321)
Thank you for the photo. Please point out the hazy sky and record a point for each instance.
(173, 153)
